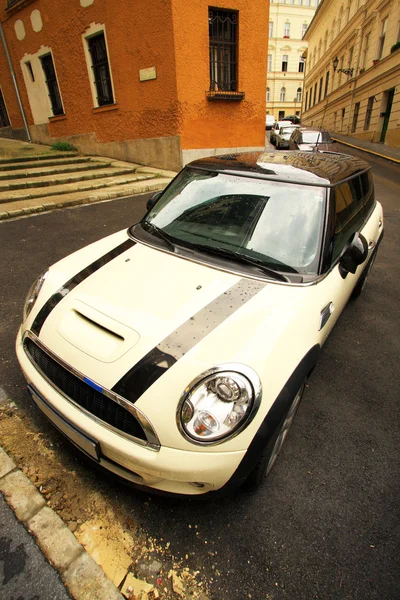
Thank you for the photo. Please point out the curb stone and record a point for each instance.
(82, 576)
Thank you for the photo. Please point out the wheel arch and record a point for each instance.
(274, 416)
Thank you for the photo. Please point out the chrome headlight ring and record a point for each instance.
(219, 404)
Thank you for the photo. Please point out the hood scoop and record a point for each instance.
(96, 334)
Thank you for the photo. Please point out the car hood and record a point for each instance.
(141, 300)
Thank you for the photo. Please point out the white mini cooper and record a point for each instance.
(175, 353)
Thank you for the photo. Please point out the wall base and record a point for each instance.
(13, 134)
(163, 152)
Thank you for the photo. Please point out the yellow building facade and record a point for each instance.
(288, 22)
(352, 81)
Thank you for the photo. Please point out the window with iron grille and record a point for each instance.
(52, 84)
(4, 120)
(101, 69)
(223, 39)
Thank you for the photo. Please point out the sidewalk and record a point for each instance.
(381, 150)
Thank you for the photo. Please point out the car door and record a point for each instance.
(347, 215)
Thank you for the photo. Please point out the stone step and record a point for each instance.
(14, 209)
(15, 176)
(71, 176)
(56, 190)
(23, 165)
(36, 157)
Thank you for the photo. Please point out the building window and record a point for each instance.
(30, 70)
(315, 93)
(286, 31)
(321, 81)
(369, 112)
(326, 83)
(101, 69)
(285, 60)
(382, 38)
(351, 53)
(268, 94)
(301, 64)
(271, 29)
(283, 94)
(340, 20)
(303, 29)
(306, 102)
(281, 115)
(4, 120)
(355, 116)
(223, 32)
(52, 84)
(269, 64)
(298, 95)
(366, 49)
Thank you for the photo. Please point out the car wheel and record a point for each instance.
(268, 458)
(360, 285)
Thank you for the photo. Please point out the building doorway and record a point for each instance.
(388, 96)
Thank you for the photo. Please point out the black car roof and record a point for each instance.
(318, 168)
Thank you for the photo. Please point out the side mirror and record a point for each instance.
(152, 201)
(354, 255)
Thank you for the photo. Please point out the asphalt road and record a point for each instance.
(327, 523)
(24, 572)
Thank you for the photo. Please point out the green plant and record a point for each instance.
(63, 146)
(396, 46)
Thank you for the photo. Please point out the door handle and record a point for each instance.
(371, 244)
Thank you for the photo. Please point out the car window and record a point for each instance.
(316, 137)
(349, 216)
(277, 223)
(367, 183)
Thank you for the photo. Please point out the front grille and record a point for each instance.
(83, 394)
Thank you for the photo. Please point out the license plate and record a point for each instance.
(84, 442)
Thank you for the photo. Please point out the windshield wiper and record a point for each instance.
(158, 233)
(246, 259)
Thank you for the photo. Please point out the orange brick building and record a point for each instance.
(160, 83)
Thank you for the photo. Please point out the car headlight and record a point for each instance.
(33, 294)
(219, 404)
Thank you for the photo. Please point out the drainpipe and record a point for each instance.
(3, 39)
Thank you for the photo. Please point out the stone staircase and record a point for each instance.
(37, 183)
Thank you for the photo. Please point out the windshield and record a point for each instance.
(314, 137)
(278, 224)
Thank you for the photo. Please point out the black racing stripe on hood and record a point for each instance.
(156, 362)
(76, 280)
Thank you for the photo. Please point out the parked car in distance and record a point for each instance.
(293, 119)
(282, 137)
(269, 121)
(312, 140)
(275, 128)
(175, 352)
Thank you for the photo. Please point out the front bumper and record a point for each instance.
(166, 469)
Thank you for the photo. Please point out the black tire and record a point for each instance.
(360, 285)
(268, 458)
